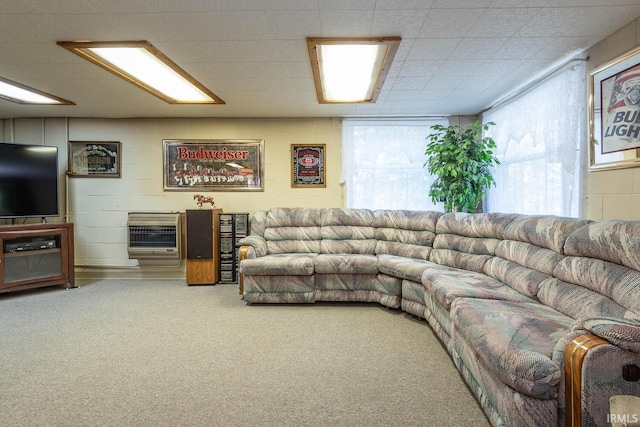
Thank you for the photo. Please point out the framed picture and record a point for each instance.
(94, 159)
(213, 164)
(308, 165)
(614, 114)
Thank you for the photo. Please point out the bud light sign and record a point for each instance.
(621, 111)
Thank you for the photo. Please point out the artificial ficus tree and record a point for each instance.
(461, 159)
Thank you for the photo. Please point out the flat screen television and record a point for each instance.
(28, 181)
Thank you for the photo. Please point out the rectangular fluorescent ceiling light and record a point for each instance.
(140, 63)
(22, 94)
(350, 70)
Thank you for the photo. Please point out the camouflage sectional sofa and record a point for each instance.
(540, 314)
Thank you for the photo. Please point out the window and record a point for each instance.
(383, 164)
(539, 135)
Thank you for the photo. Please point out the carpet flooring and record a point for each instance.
(160, 353)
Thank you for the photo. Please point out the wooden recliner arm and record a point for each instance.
(242, 254)
(573, 359)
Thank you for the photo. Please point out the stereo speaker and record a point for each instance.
(199, 234)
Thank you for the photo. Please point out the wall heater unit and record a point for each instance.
(155, 238)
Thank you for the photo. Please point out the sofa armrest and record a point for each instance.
(250, 247)
(623, 333)
(595, 370)
(258, 243)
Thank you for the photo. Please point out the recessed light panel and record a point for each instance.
(140, 63)
(350, 70)
(22, 94)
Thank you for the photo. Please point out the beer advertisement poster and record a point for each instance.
(94, 159)
(308, 166)
(621, 111)
(213, 165)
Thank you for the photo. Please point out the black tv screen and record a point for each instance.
(28, 181)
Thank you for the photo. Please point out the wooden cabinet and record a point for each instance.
(202, 246)
(36, 255)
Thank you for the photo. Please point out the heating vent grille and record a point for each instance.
(155, 236)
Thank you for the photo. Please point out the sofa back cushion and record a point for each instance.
(475, 225)
(467, 241)
(347, 231)
(545, 231)
(601, 274)
(292, 230)
(405, 233)
(614, 241)
(532, 247)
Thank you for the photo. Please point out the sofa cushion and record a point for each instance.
(462, 260)
(346, 264)
(348, 246)
(613, 241)
(359, 282)
(529, 255)
(406, 219)
(292, 233)
(545, 231)
(347, 231)
(280, 264)
(515, 341)
(401, 249)
(284, 247)
(475, 225)
(620, 283)
(292, 230)
(295, 284)
(470, 245)
(522, 279)
(293, 217)
(467, 241)
(405, 233)
(579, 302)
(403, 268)
(445, 284)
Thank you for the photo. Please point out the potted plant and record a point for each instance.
(461, 159)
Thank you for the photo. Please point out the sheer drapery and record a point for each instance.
(539, 137)
(383, 164)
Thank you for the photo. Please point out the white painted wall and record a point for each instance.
(98, 207)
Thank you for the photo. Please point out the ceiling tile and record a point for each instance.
(420, 68)
(432, 49)
(345, 23)
(501, 22)
(294, 24)
(403, 23)
(243, 25)
(459, 67)
(578, 21)
(477, 48)
(445, 23)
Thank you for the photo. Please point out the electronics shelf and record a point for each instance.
(36, 255)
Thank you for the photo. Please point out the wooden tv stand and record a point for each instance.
(36, 255)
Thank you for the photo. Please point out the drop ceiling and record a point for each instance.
(456, 56)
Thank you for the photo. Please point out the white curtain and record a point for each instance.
(539, 135)
(383, 164)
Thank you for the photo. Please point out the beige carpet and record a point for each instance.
(160, 353)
